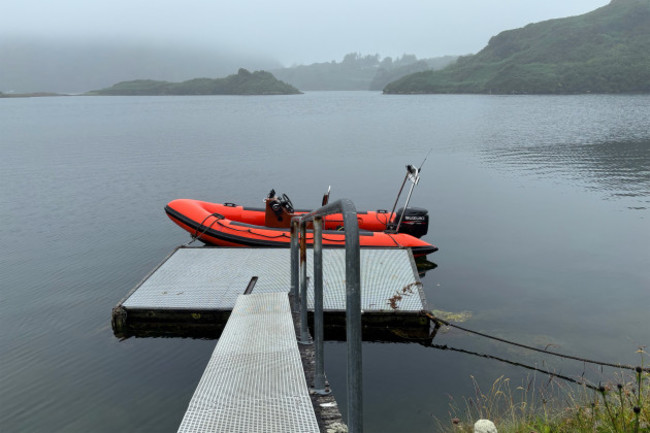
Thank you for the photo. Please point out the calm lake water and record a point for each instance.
(540, 207)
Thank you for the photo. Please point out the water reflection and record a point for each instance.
(423, 265)
(617, 168)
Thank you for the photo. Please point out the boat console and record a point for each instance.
(278, 210)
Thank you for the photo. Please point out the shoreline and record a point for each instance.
(30, 95)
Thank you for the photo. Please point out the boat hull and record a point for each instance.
(233, 226)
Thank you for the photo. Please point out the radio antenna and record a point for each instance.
(425, 159)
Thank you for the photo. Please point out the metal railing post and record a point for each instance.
(353, 317)
(294, 263)
(319, 374)
(305, 338)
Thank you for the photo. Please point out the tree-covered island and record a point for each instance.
(242, 83)
(29, 95)
(604, 51)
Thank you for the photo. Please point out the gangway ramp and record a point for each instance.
(254, 381)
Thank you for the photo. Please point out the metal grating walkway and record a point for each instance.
(212, 279)
(254, 381)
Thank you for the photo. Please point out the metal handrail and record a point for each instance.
(352, 304)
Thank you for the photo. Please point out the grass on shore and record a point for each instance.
(622, 406)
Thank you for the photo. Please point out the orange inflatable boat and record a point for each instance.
(232, 225)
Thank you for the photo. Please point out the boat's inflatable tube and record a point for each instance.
(232, 225)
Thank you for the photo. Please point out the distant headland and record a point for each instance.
(29, 95)
(604, 51)
(243, 82)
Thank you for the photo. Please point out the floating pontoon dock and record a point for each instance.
(192, 292)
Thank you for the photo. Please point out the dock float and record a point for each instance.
(192, 292)
(254, 381)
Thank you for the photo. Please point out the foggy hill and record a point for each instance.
(357, 72)
(68, 66)
(242, 83)
(604, 51)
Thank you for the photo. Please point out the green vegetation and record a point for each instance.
(620, 407)
(357, 72)
(604, 51)
(28, 95)
(242, 83)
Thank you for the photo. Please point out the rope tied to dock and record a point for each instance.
(515, 363)
(438, 322)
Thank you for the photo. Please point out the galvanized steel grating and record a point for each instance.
(384, 273)
(280, 416)
(213, 278)
(254, 381)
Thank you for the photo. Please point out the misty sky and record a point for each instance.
(290, 31)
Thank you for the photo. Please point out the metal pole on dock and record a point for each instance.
(305, 338)
(294, 262)
(319, 375)
(353, 318)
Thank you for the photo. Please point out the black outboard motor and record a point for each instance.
(415, 221)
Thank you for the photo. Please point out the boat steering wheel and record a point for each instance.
(286, 202)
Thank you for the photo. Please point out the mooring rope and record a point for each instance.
(195, 236)
(515, 363)
(536, 349)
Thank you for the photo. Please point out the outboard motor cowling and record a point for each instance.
(414, 223)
